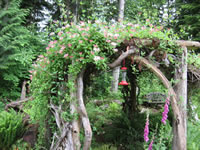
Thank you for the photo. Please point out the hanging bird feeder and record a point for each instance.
(123, 69)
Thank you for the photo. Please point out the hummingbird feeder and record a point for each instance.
(123, 69)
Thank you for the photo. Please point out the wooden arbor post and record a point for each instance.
(181, 92)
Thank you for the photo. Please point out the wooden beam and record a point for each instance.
(192, 44)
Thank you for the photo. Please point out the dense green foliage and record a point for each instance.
(189, 18)
(11, 128)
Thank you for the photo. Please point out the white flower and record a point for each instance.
(116, 35)
(96, 58)
(110, 34)
(96, 49)
(113, 44)
(115, 50)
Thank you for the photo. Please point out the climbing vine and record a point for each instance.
(73, 47)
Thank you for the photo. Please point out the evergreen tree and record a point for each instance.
(18, 46)
(189, 18)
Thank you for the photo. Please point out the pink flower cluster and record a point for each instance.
(165, 112)
(146, 130)
(150, 145)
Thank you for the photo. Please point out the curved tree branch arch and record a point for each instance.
(177, 113)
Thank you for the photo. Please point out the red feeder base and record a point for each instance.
(123, 83)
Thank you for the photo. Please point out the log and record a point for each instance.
(17, 104)
(192, 44)
(118, 61)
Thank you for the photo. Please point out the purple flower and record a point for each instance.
(146, 130)
(165, 112)
(150, 145)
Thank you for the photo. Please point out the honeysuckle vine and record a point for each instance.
(93, 43)
(74, 46)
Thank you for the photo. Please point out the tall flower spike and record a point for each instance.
(165, 112)
(146, 129)
(151, 145)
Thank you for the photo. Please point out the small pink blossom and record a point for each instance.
(143, 28)
(80, 41)
(87, 29)
(147, 20)
(60, 33)
(91, 40)
(92, 52)
(54, 42)
(82, 23)
(41, 56)
(47, 48)
(71, 56)
(69, 45)
(63, 47)
(108, 41)
(81, 57)
(51, 42)
(61, 38)
(80, 53)
(31, 77)
(61, 51)
(65, 56)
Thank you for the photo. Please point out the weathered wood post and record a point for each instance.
(181, 92)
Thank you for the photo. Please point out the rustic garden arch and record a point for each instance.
(69, 137)
(179, 124)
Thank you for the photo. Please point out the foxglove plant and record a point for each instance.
(165, 112)
(150, 145)
(146, 130)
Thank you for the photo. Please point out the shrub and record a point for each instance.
(11, 128)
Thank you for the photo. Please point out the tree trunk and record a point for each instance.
(133, 92)
(181, 91)
(116, 70)
(23, 92)
(75, 122)
(115, 80)
(121, 10)
(83, 112)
